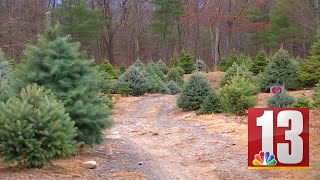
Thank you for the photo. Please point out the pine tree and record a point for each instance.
(173, 87)
(238, 95)
(282, 70)
(56, 63)
(302, 102)
(280, 101)
(35, 128)
(237, 70)
(186, 62)
(162, 66)
(309, 71)
(139, 64)
(316, 96)
(111, 72)
(78, 20)
(194, 92)
(260, 63)
(4, 78)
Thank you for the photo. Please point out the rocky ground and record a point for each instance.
(153, 139)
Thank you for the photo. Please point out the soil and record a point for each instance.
(154, 139)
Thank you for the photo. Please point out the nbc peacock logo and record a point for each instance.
(264, 159)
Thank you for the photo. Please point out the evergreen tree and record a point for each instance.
(238, 95)
(309, 71)
(56, 63)
(280, 100)
(201, 65)
(282, 70)
(122, 69)
(194, 92)
(237, 70)
(155, 83)
(162, 66)
(316, 96)
(111, 72)
(260, 63)
(137, 81)
(78, 20)
(186, 62)
(35, 128)
(302, 102)
(139, 64)
(173, 87)
(175, 75)
(4, 78)
(211, 105)
(165, 16)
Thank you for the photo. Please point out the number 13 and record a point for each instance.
(266, 122)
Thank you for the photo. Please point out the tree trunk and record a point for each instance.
(217, 46)
(212, 45)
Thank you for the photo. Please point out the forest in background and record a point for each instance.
(122, 31)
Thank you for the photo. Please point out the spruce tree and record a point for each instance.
(175, 75)
(309, 71)
(35, 129)
(280, 100)
(194, 92)
(316, 96)
(201, 65)
(56, 63)
(4, 78)
(173, 87)
(136, 80)
(237, 70)
(260, 63)
(211, 105)
(282, 70)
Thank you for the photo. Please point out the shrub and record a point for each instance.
(173, 87)
(234, 70)
(284, 100)
(201, 65)
(211, 105)
(193, 92)
(137, 81)
(35, 129)
(186, 62)
(175, 75)
(238, 95)
(56, 63)
(260, 63)
(309, 71)
(280, 69)
(302, 102)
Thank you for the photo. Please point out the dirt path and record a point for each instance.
(167, 148)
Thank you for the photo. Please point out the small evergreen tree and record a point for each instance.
(309, 71)
(260, 63)
(238, 95)
(173, 87)
(280, 100)
(186, 62)
(4, 78)
(155, 84)
(122, 69)
(302, 102)
(56, 63)
(139, 64)
(201, 65)
(211, 105)
(282, 70)
(234, 70)
(162, 66)
(227, 62)
(111, 72)
(175, 75)
(155, 69)
(181, 71)
(137, 81)
(35, 128)
(194, 92)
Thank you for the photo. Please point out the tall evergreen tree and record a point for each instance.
(78, 20)
(56, 63)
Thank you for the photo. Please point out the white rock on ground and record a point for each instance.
(89, 164)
